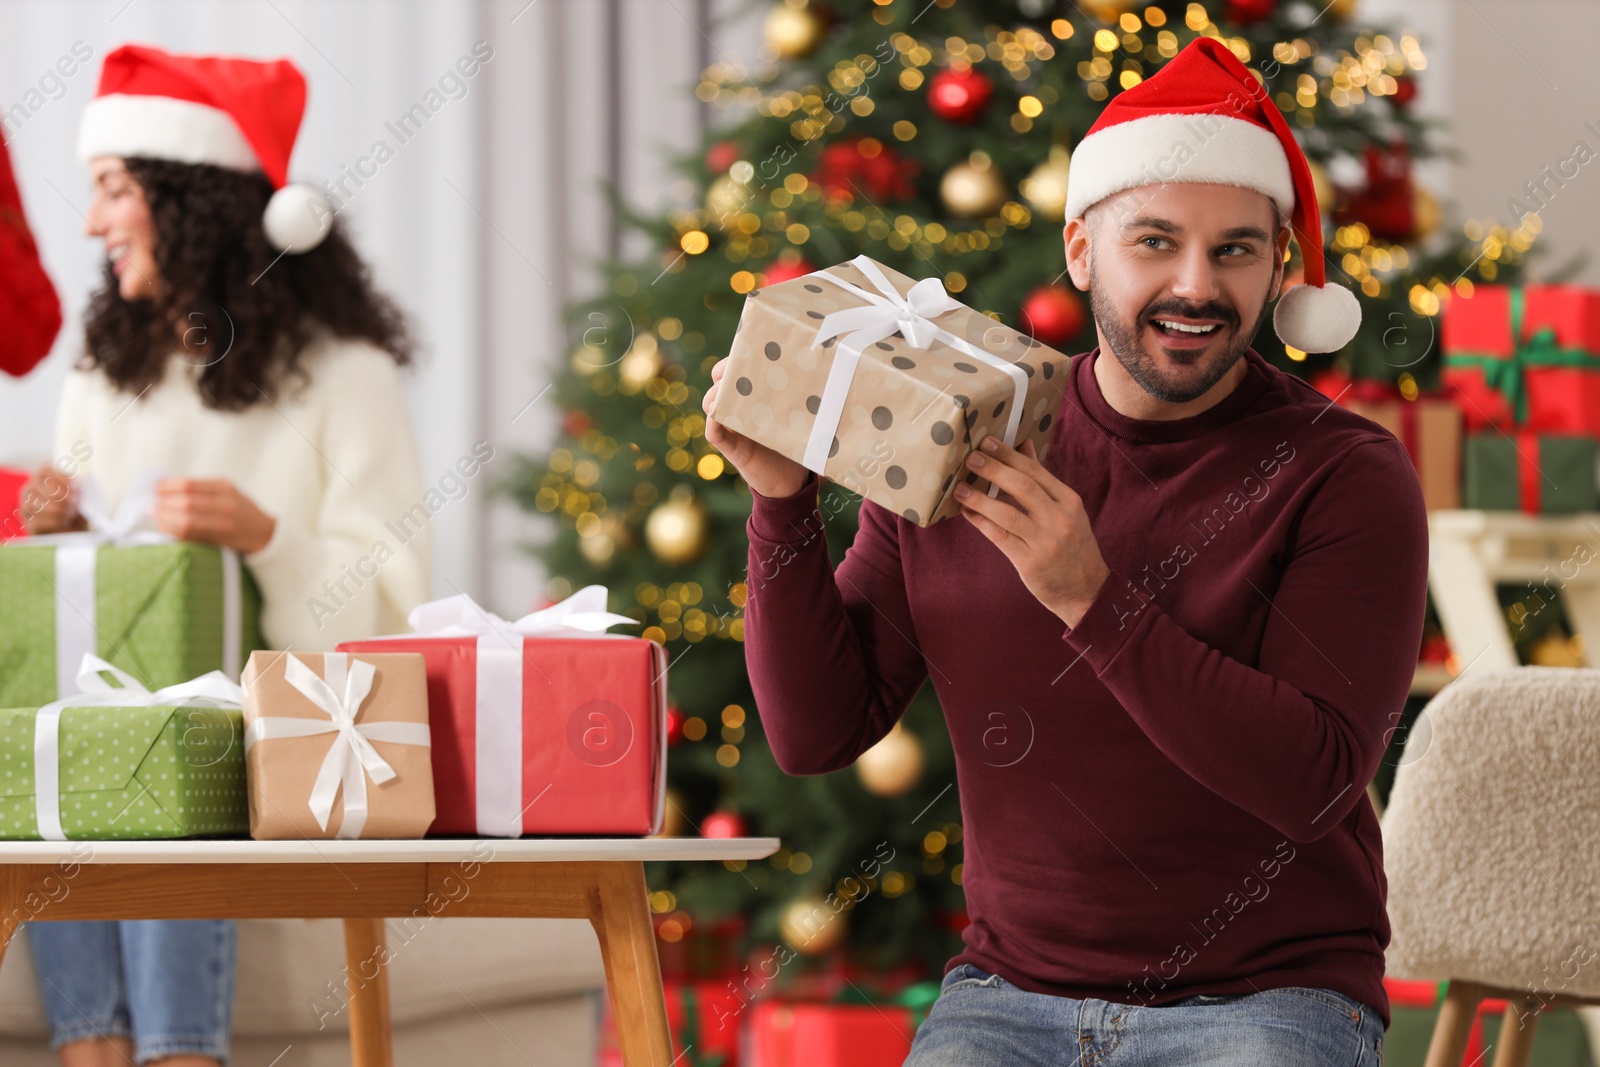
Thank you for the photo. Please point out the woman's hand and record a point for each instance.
(212, 511)
(48, 506)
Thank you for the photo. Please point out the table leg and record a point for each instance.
(621, 920)
(11, 900)
(367, 979)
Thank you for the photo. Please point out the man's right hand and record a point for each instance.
(764, 470)
(53, 509)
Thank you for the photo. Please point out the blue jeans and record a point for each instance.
(166, 984)
(981, 1020)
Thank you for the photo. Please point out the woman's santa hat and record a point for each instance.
(242, 114)
(1205, 118)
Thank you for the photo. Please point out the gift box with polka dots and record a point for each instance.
(911, 415)
(129, 772)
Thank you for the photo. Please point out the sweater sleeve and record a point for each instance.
(832, 654)
(364, 562)
(1295, 740)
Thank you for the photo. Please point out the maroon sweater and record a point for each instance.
(1170, 797)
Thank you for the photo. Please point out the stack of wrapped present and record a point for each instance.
(124, 712)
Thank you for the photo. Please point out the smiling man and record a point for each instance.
(1169, 653)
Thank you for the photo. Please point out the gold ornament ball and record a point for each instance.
(1556, 649)
(726, 199)
(810, 927)
(1045, 187)
(676, 530)
(974, 189)
(793, 32)
(1425, 211)
(1342, 10)
(893, 765)
(674, 821)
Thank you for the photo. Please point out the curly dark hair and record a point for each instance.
(220, 288)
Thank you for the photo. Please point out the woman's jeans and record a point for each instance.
(981, 1020)
(166, 984)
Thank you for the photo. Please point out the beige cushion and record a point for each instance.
(1492, 834)
(290, 971)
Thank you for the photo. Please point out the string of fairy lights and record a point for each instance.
(749, 226)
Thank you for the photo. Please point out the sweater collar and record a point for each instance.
(1258, 376)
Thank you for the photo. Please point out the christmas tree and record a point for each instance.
(934, 136)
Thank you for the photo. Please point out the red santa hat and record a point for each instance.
(242, 114)
(1205, 118)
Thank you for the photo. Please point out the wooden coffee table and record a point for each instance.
(366, 882)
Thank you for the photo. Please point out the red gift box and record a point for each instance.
(547, 725)
(1525, 357)
(12, 482)
(787, 1034)
(704, 1019)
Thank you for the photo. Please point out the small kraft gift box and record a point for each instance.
(319, 727)
(884, 384)
(159, 609)
(542, 725)
(118, 762)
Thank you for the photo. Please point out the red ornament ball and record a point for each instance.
(786, 270)
(724, 824)
(721, 156)
(1244, 12)
(864, 166)
(575, 423)
(1053, 314)
(675, 719)
(959, 94)
(1405, 91)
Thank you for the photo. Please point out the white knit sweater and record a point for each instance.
(333, 461)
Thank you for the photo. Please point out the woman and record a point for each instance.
(238, 348)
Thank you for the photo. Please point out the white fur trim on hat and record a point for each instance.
(1161, 148)
(1315, 319)
(162, 127)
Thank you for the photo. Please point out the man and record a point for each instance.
(1168, 654)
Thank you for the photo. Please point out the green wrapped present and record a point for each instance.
(118, 763)
(1539, 473)
(162, 612)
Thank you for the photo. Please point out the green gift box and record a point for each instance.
(162, 612)
(162, 765)
(1537, 473)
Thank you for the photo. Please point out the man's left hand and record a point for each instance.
(213, 511)
(1048, 538)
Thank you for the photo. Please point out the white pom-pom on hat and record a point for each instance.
(297, 218)
(1316, 318)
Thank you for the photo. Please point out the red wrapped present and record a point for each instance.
(1430, 427)
(1528, 357)
(788, 1034)
(704, 1018)
(12, 482)
(545, 725)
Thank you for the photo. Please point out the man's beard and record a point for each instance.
(1126, 342)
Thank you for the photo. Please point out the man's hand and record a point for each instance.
(212, 511)
(1047, 538)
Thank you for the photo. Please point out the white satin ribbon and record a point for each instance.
(886, 313)
(77, 625)
(339, 692)
(498, 711)
(213, 689)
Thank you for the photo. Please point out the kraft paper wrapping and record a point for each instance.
(911, 415)
(282, 771)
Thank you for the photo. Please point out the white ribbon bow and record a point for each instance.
(887, 312)
(351, 759)
(213, 689)
(77, 553)
(583, 613)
